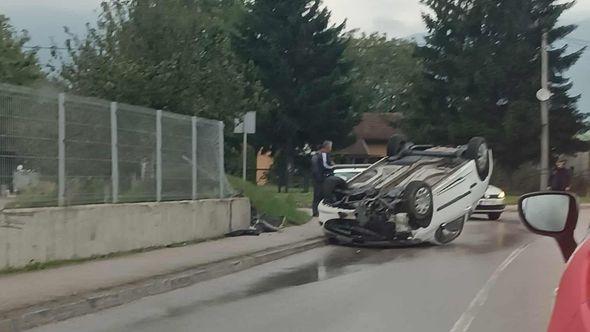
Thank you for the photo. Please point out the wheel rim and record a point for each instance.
(422, 204)
(444, 235)
(482, 156)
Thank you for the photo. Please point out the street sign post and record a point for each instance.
(246, 125)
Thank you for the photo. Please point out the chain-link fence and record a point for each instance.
(60, 149)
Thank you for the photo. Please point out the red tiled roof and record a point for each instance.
(359, 148)
(373, 127)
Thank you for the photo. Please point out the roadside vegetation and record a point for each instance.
(268, 202)
(475, 73)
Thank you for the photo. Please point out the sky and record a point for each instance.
(44, 19)
(401, 18)
(398, 18)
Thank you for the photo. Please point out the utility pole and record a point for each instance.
(244, 153)
(544, 95)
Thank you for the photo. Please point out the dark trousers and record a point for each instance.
(317, 197)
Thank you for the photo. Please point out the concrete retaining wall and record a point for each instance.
(48, 234)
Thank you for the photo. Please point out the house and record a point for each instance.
(372, 134)
(264, 162)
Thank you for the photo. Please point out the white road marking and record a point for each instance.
(464, 322)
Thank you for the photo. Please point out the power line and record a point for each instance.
(578, 41)
(45, 48)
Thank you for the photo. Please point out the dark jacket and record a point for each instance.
(321, 166)
(560, 179)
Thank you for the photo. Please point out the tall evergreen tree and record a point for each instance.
(300, 62)
(481, 72)
(17, 66)
(382, 70)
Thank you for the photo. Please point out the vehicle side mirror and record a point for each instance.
(553, 214)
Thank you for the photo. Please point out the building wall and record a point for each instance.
(580, 162)
(377, 150)
(263, 164)
(43, 235)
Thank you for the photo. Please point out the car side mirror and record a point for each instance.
(553, 214)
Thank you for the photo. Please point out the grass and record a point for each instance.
(511, 199)
(269, 202)
(301, 199)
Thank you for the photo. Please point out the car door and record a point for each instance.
(571, 312)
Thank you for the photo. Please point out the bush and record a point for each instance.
(271, 204)
(519, 181)
(580, 185)
(43, 194)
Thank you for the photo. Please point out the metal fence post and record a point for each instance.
(114, 153)
(159, 155)
(194, 156)
(61, 154)
(221, 160)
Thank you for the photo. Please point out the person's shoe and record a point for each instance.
(315, 215)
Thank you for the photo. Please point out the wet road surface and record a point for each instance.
(495, 277)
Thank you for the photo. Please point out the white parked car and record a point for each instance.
(347, 172)
(417, 194)
(492, 203)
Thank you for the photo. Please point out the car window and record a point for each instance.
(346, 175)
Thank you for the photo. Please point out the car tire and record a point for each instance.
(395, 145)
(494, 215)
(446, 235)
(418, 203)
(477, 150)
(330, 185)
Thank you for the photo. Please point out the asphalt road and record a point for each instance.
(495, 277)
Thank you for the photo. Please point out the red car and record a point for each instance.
(555, 214)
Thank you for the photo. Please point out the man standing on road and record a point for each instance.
(560, 177)
(321, 168)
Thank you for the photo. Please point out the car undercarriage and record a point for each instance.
(395, 198)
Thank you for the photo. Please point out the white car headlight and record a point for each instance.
(502, 195)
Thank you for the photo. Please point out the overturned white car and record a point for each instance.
(419, 193)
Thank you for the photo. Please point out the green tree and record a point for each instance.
(481, 71)
(173, 55)
(17, 66)
(382, 71)
(300, 60)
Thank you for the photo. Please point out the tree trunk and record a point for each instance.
(288, 162)
(306, 182)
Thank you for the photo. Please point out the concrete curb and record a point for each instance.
(90, 302)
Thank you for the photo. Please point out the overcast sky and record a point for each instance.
(398, 18)
(401, 18)
(44, 19)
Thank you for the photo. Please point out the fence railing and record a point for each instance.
(61, 149)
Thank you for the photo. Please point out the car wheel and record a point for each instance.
(419, 205)
(477, 150)
(395, 145)
(494, 215)
(448, 232)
